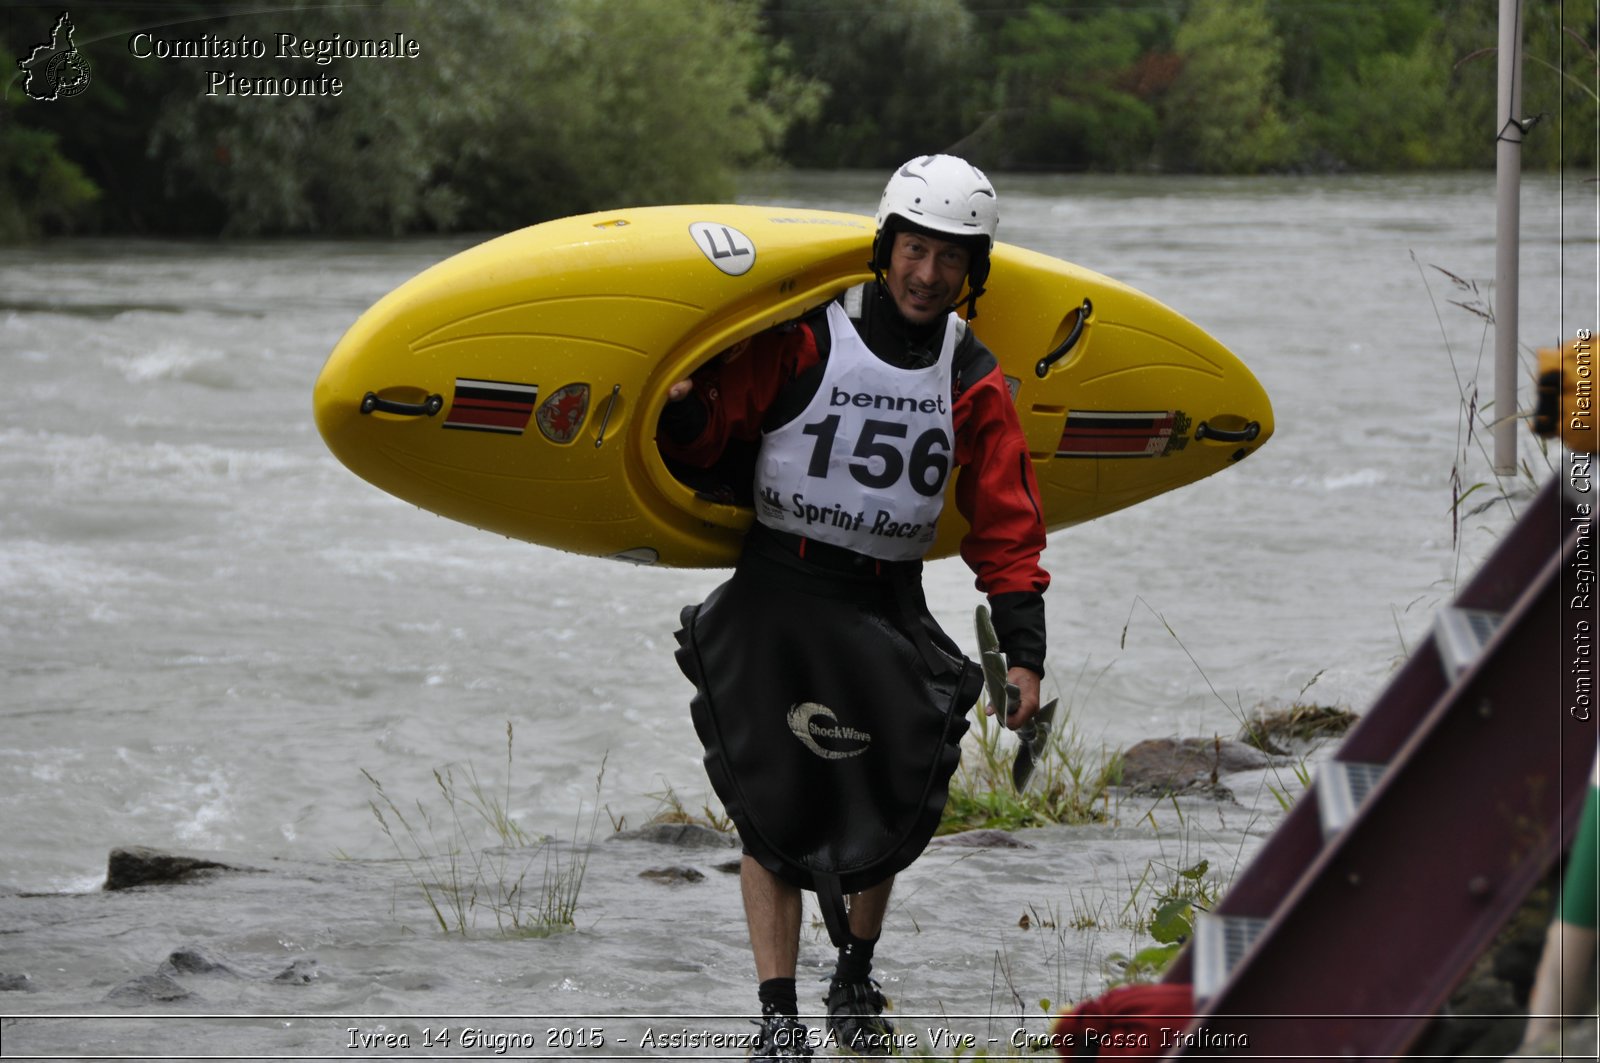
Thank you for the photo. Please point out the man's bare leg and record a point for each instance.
(867, 909)
(772, 910)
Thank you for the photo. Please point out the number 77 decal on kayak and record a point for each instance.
(729, 250)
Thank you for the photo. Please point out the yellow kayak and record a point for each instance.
(516, 386)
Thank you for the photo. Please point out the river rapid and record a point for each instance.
(215, 639)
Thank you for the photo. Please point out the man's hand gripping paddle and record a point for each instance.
(1006, 699)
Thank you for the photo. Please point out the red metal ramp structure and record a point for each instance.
(1451, 798)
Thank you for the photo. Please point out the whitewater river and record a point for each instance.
(211, 634)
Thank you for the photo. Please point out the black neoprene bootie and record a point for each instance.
(855, 1018)
(781, 1037)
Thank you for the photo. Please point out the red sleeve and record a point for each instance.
(997, 492)
(735, 391)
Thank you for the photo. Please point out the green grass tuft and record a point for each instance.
(1071, 784)
(462, 880)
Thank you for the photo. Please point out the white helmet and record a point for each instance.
(949, 197)
(942, 194)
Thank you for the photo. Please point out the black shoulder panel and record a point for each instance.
(973, 361)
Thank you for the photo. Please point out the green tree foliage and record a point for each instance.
(1559, 75)
(1410, 84)
(59, 162)
(621, 102)
(361, 161)
(900, 77)
(513, 113)
(1079, 87)
(1224, 112)
(1366, 84)
(37, 184)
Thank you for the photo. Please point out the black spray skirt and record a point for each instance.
(831, 707)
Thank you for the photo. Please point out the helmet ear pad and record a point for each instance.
(882, 249)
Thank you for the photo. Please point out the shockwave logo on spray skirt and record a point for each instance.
(491, 406)
(1123, 433)
(820, 731)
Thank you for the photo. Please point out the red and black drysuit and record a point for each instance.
(841, 799)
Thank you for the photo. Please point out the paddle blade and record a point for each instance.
(1035, 735)
(1003, 697)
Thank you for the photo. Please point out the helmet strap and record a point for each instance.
(977, 278)
(971, 301)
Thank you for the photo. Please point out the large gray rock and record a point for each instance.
(979, 839)
(673, 876)
(136, 865)
(158, 988)
(193, 959)
(681, 835)
(1177, 765)
(303, 971)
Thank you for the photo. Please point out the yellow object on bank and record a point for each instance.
(1566, 395)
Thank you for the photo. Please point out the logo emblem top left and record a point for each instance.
(55, 70)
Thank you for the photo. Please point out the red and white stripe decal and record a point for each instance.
(1122, 433)
(491, 406)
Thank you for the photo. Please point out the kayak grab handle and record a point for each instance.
(426, 408)
(1043, 365)
(600, 436)
(1223, 435)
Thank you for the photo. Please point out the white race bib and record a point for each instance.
(866, 464)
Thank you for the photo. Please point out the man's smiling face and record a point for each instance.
(925, 275)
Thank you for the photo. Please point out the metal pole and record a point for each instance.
(1508, 174)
